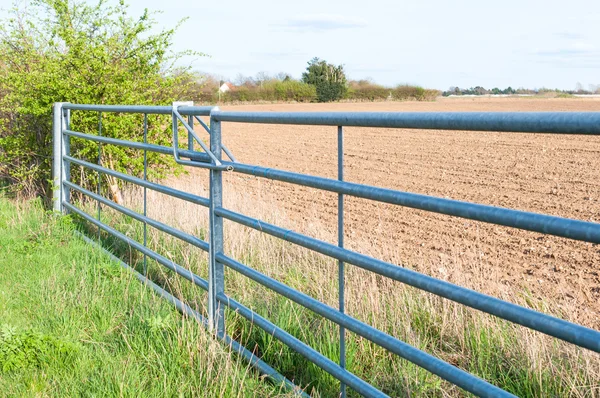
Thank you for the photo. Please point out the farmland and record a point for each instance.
(543, 173)
(554, 174)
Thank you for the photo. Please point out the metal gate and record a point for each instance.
(211, 158)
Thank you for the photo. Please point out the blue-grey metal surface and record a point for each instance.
(197, 156)
(550, 325)
(216, 162)
(565, 123)
(65, 151)
(57, 140)
(192, 240)
(185, 309)
(148, 109)
(178, 269)
(207, 129)
(216, 277)
(437, 366)
(525, 122)
(341, 306)
(306, 351)
(99, 175)
(191, 137)
(145, 191)
(138, 181)
(551, 225)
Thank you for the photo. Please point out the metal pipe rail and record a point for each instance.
(550, 225)
(587, 123)
(538, 122)
(547, 324)
(185, 309)
(140, 109)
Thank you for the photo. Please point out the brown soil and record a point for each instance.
(554, 174)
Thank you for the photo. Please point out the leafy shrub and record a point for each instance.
(368, 92)
(288, 90)
(28, 349)
(406, 92)
(292, 90)
(69, 51)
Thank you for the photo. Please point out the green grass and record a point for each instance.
(523, 362)
(86, 327)
(73, 323)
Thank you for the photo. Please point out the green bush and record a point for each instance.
(69, 51)
(329, 80)
(275, 90)
(292, 90)
(297, 91)
(406, 92)
(370, 92)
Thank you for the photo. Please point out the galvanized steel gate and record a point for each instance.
(211, 158)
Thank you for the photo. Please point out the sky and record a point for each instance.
(432, 43)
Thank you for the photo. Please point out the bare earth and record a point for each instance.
(544, 173)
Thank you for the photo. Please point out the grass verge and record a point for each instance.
(74, 323)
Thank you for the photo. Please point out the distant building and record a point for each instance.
(226, 87)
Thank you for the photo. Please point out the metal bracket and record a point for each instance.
(216, 163)
(225, 149)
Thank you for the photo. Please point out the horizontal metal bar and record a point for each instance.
(192, 240)
(149, 109)
(193, 155)
(525, 122)
(138, 181)
(185, 309)
(178, 269)
(303, 349)
(543, 223)
(434, 365)
(573, 333)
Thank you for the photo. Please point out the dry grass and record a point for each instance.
(522, 361)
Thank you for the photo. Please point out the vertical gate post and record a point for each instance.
(60, 147)
(56, 156)
(66, 151)
(216, 284)
(341, 285)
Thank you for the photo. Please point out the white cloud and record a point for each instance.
(319, 22)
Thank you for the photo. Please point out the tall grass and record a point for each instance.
(519, 360)
(73, 323)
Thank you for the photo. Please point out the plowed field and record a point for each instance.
(554, 174)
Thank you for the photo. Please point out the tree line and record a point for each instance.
(478, 90)
(320, 82)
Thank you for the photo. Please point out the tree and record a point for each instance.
(69, 51)
(282, 76)
(329, 80)
(261, 78)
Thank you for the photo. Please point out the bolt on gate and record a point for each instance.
(211, 158)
